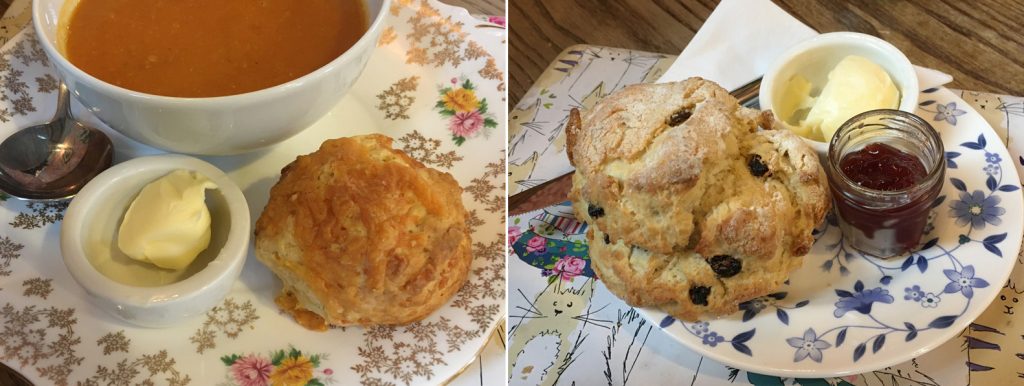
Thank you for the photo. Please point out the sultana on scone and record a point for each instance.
(692, 208)
(362, 234)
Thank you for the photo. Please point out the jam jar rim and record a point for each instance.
(938, 168)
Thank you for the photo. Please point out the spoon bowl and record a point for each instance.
(54, 160)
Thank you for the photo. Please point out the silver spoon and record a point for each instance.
(52, 161)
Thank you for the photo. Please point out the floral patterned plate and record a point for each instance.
(435, 84)
(844, 313)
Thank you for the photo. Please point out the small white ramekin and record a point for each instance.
(95, 215)
(815, 57)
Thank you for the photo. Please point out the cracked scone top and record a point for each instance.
(362, 234)
(691, 207)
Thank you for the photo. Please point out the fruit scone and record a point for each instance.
(692, 208)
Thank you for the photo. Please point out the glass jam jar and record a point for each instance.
(882, 197)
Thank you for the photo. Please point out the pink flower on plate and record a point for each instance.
(569, 267)
(499, 20)
(466, 123)
(537, 244)
(455, 80)
(514, 233)
(251, 371)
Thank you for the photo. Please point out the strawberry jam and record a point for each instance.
(885, 169)
(882, 167)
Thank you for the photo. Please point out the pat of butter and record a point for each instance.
(854, 86)
(168, 223)
(795, 104)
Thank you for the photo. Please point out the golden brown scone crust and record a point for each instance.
(663, 170)
(362, 234)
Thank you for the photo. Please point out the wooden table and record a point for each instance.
(9, 377)
(978, 42)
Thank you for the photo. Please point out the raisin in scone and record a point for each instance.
(691, 207)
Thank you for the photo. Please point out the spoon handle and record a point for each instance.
(63, 103)
(63, 127)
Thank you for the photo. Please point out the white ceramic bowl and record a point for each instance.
(815, 57)
(95, 214)
(212, 126)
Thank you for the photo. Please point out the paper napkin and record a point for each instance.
(742, 38)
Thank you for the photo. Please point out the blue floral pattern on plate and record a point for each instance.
(845, 312)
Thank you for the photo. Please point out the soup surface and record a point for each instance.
(208, 48)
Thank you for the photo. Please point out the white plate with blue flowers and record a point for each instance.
(843, 313)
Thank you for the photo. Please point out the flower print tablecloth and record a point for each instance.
(591, 337)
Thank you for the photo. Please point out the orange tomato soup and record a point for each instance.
(209, 48)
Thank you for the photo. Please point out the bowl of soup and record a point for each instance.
(209, 77)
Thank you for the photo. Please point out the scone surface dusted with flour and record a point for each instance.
(692, 208)
(362, 234)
